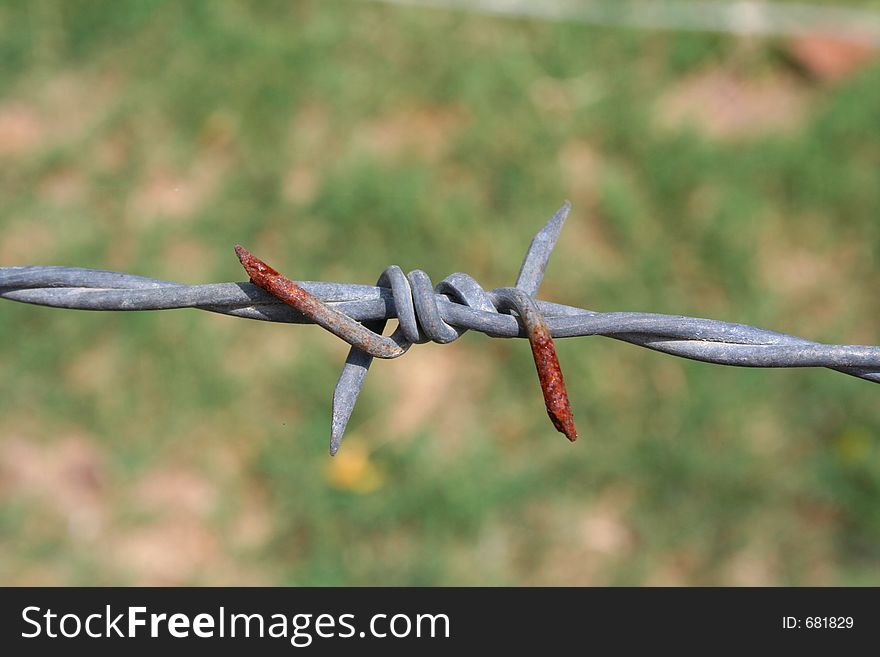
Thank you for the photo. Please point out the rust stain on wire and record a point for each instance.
(552, 382)
(340, 324)
(544, 352)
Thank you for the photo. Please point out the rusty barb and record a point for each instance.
(442, 313)
(367, 340)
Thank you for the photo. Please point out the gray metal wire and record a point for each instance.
(707, 340)
(440, 314)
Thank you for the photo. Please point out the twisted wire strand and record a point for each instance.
(440, 314)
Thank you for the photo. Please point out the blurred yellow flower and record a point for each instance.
(351, 469)
(853, 445)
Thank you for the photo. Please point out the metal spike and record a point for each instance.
(348, 387)
(531, 273)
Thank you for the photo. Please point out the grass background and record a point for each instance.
(709, 177)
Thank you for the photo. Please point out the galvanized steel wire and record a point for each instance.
(440, 313)
(707, 340)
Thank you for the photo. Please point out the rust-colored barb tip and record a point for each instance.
(244, 257)
(311, 306)
(253, 265)
(552, 383)
(546, 360)
(243, 254)
(564, 425)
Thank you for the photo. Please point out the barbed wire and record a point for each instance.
(441, 313)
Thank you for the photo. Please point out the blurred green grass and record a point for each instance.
(335, 138)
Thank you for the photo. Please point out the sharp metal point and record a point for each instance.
(546, 360)
(321, 313)
(531, 273)
(348, 387)
(366, 338)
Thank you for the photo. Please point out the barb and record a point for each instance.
(462, 286)
(317, 311)
(358, 314)
(546, 361)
